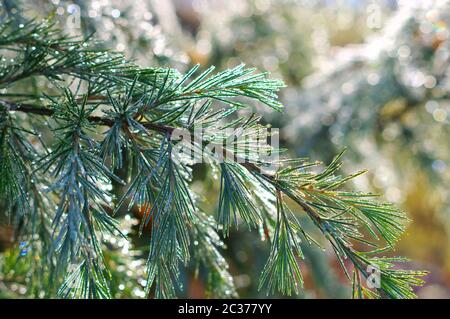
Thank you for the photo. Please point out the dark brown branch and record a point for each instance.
(251, 167)
(33, 109)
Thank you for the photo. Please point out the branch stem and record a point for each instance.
(251, 167)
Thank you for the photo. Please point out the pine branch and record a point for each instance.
(365, 210)
(142, 110)
(372, 210)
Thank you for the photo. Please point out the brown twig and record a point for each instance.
(165, 129)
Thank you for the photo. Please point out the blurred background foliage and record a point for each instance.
(373, 76)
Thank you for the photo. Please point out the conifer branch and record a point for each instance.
(78, 169)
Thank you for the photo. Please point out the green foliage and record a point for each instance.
(104, 114)
(282, 272)
(12, 167)
(235, 198)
